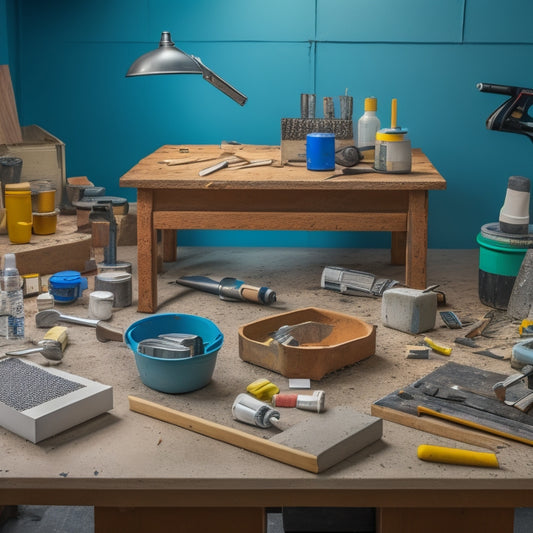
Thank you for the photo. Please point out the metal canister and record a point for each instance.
(117, 282)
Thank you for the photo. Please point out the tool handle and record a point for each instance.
(525, 403)
(27, 351)
(105, 333)
(262, 295)
(394, 114)
(92, 322)
(509, 90)
(455, 456)
(213, 168)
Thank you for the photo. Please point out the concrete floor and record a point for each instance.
(60, 519)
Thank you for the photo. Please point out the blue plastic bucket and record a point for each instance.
(175, 375)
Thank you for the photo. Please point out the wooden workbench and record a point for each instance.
(173, 197)
(142, 474)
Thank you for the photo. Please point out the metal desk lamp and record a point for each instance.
(167, 59)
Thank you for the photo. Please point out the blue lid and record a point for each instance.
(67, 278)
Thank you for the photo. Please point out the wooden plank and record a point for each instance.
(347, 201)
(432, 391)
(10, 132)
(439, 427)
(437, 520)
(273, 450)
(253, 220)
(46, 254)
(179, 519)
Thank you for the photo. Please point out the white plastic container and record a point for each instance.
(409, 310)
(367, 127)
(101, 305)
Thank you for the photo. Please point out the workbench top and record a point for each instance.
(125, 458)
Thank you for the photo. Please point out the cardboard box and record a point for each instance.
(43, 157)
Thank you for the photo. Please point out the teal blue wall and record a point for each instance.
(72, 56)
(4, 49)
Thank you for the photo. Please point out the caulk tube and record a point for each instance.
(514, 215)
(254, 412)
(308, 402)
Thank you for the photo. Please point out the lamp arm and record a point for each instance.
(220, 84)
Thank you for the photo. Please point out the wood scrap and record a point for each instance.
(10, 131)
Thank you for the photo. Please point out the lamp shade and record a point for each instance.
(167, 59)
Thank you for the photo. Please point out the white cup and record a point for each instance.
(101, 305)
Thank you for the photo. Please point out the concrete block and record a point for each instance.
(409, 310)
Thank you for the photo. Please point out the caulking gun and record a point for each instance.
(513, 115)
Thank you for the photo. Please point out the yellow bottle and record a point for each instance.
(19, 212)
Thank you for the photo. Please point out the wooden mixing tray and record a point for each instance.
(46, 254)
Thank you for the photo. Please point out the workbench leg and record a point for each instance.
(417, 240)
(179, 519)
(493, 520)
(146, 253)
(398, 246)
(169, 243)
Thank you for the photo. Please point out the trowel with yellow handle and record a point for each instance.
(51, 347)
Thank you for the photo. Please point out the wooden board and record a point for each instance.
(10, 132)
(434, 392)
(47, 254)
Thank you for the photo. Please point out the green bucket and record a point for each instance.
(500, 259)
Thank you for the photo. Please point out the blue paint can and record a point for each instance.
(320, 151)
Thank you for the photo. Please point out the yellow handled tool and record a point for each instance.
(455, 456)
(437, 348)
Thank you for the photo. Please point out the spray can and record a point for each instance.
(367, 127)
(393, 148)
(14, 298)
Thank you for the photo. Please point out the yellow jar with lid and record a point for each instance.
(19, 212)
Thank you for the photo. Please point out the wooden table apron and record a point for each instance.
(130, 505)
(170, 198)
